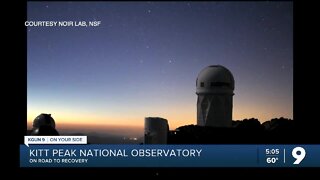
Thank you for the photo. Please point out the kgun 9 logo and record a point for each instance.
(299, 153)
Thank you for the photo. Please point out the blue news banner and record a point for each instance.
(170, 156)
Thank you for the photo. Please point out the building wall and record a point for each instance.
(214, 110)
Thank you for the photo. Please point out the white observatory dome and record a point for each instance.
(215, 79)
(43, 120)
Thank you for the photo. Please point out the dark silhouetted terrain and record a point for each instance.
(246, 131)
(277, 130)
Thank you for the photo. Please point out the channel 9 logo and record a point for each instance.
(299, 153)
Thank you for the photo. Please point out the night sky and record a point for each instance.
(143, 60)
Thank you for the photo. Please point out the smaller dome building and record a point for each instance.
(44, 125)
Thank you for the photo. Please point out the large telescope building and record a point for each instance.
(215, 85)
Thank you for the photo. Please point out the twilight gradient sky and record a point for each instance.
(145, 57)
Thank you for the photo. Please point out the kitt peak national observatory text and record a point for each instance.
(62, 23)
(115, 153)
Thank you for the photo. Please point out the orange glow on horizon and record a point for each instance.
(174, 121)
(176, 114)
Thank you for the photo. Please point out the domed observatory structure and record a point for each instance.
(215, 85)
(44, 125)
(155, 130)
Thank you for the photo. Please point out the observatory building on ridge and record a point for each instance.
(44, 125)
(155, 130)
(215, 85)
